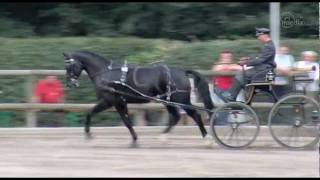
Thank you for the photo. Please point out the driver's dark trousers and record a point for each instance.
(240, 80)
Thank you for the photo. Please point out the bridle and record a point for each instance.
(70, 63)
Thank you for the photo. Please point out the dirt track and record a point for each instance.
(64, 152)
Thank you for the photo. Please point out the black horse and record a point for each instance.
(159, 80)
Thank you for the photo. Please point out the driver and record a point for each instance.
(261, 65)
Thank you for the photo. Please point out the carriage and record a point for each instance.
(293, 120)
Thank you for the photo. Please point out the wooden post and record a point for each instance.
(29, 114)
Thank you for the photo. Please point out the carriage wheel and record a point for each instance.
(234, 125)
(294, 122)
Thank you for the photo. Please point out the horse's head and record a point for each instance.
(73, 70)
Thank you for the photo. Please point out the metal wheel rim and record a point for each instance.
(221, 142)
(293, 131)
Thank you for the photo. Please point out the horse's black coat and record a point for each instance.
(152, 81)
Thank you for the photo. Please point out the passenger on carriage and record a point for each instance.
(262, 64)
(308, 62)
(285, 63)
(223, 83)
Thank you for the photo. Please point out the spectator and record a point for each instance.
(285, 63)
(223, 83)
(309, 64)
(48, 90)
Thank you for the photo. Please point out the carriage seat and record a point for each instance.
(302, 77)
(263, 78)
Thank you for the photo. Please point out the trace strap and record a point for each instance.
(146, 97)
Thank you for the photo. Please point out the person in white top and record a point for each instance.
(309, 64)
(285, 63)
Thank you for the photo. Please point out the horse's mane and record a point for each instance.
(90, 55)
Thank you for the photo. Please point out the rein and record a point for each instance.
(146, 97)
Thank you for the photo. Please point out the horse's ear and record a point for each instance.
(66, 55)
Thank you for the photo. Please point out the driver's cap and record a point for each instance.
(260, 31)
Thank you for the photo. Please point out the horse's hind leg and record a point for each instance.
(123, 111)
(102, 105)
(197, 118)
(174, 117)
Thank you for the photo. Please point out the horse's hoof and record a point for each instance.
(163, 138)
(208, 141)
(88, 136)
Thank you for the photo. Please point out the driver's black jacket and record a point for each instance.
(266, 58)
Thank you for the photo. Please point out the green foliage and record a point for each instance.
(180, 21)
(10, 28)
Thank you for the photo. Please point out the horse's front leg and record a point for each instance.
(123, 111)
(102, 105)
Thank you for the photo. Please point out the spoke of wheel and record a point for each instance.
(231, 135)
(293, 137)
(237, 137)
(289, 139)
(240, 133)
(237, 134)
(297, 135)
(310, 124)
(313, 133)
(280, 115)
(225, 135)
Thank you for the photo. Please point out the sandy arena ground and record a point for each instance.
(64, 152)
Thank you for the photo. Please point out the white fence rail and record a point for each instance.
(30, 108)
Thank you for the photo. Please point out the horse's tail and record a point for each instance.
(203, 88)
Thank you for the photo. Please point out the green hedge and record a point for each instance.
(46, 53)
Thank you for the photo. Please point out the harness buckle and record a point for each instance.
(124, 70)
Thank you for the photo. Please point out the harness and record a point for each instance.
(171, 87)
(169, 84)
(124, 71)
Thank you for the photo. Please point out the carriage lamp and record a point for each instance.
(270, 76)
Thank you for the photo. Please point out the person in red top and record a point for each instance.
(48, 90)
(223, 83)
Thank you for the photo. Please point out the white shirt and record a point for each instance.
(305, 64)
(312, 86)
(283, 61)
